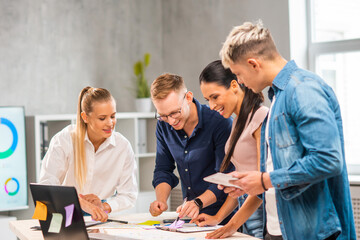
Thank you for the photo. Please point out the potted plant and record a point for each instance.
(143, 101)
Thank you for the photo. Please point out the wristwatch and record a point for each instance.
(198, 203)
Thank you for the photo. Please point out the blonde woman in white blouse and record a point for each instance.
(99, 162)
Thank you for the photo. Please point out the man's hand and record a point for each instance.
(190, 209)
(205, 220)
(157, 207)
(96, 213)
(250, 182)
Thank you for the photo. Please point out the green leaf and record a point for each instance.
(147, 59)
(142, 87)
(138, 68)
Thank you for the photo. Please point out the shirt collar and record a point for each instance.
(109, 141)
(282, 78)
(199, 109)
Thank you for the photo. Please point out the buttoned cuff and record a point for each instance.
(281, 181)
(113, 204)
(173, 182)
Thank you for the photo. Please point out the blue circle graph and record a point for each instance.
(12, 148)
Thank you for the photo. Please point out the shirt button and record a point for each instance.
(189, 188)
(280, 222)
(285, 185)
(278, 185)
(185, 136)
(185, 151)
(269, 138)
(186, 169)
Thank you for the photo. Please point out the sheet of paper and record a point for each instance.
(195, 228)
(222, 179)
(155, 234)
(69, 210)
(55, 224)
(40, 211)
(114, 225)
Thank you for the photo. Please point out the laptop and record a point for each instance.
(56, 198)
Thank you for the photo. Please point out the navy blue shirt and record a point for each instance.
(196, 157)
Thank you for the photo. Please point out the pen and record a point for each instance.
(182, 205)
(119, 221)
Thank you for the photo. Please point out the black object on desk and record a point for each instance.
(119, 221)
(186, 220)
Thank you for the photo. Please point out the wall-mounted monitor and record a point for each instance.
(13, 177)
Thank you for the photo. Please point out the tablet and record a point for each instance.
(222, 179)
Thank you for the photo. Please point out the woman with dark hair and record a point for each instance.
(225, 95)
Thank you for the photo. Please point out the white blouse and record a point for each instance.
(111, 170)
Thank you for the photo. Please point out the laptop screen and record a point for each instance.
(62, 216)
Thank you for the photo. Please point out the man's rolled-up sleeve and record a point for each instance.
(164, 163)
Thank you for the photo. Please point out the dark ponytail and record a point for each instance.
(216, 73)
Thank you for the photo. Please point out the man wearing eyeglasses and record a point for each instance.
(192, 137)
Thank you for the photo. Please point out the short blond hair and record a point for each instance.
(245, 40)
(163, 85)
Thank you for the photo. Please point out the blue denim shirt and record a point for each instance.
(307, 148)
(196, 156)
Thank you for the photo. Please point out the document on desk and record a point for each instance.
(222, 179)
(114, 225)
(188, 228)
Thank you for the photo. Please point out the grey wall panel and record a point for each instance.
(195, 30)
(50, 50)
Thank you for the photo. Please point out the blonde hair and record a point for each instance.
(248, 39)
(87, 97)
(163, 85)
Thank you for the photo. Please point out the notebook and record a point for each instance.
(58, 200)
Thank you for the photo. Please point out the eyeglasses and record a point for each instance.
(173, 115)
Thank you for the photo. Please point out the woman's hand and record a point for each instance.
(232, 191)
(223, 232)
(97, 213)
(205, 220)
(92, 198)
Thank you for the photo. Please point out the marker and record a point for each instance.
(182, 205)
(119, 221)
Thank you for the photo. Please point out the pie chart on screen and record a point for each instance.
(11, 190)
(7, 153)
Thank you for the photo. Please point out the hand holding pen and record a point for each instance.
(180, 208)
(190, 209)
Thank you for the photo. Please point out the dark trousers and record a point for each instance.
(272, 237)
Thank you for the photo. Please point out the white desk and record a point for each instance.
(22, 229)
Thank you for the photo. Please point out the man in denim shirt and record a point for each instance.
(193, 137)
(303, 171)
